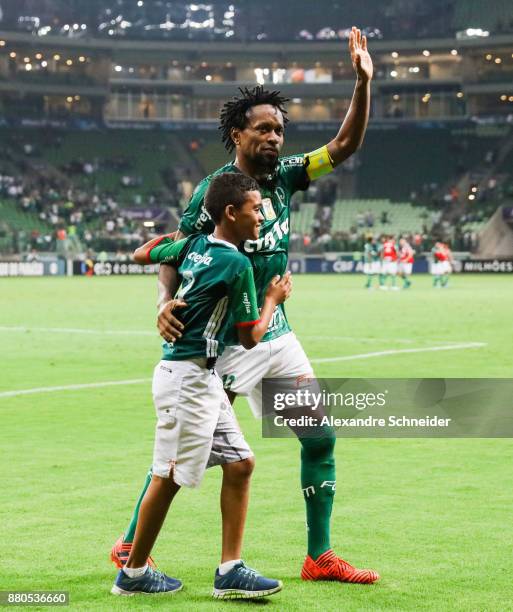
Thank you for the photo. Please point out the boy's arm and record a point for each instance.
(167, 285)
(141, 254)
(251, 326)
(160, 249)
(195, 219)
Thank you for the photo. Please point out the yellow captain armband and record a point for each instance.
(318, 163)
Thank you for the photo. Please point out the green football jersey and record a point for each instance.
(370, 253)
(218, 286)
(268, 254)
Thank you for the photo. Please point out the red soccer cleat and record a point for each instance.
(330, 567)
(120, 552)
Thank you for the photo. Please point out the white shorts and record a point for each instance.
(389, 267)
(242, 370)
(371, 267)
(405, 268)
(196, 425)
(437, 267)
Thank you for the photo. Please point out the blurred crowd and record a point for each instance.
(102, 205)
(65, 210)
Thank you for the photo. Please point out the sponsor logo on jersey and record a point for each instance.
(293, 161)
(246, 301)
(269, 240)
(199, 258)
(203, 218)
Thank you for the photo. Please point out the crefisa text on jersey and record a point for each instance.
(268, 241)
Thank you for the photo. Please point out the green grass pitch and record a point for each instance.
(432, 516)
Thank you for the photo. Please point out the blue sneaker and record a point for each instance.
(242, 582)
(150, 583)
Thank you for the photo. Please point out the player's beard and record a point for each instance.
(266, 164)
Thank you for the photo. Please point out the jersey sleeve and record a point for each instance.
(195, 218)
(243, 298)
(169, 251)
(294, 173)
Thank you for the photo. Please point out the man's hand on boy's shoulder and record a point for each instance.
(170, 328)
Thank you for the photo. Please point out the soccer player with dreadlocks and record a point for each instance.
(253, 124)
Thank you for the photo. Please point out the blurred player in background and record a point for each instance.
(406, 254)
(371, 263)
(388, 263)
(440, 264)
(253, 125)
(449, 264)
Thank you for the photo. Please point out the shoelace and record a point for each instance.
(249, 573)
(157, 579)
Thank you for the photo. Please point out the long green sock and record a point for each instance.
(369, 281)
(318, 484)
(130, 532)
(445, 280)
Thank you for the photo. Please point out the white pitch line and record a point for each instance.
(136, 381)
(80, 330)
(138, 332)
(375, 340)
(427, 349)
(109, 383)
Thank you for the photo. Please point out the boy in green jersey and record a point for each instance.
(196, 426)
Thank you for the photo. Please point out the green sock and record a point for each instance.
(318, 484)
(381, 280)
(445, 280)
(130, 532)
(435, 280)
(369, 281)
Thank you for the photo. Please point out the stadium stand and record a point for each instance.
(126, 128)
(302, 220)
(101, 170)
(380, 217)
(401, 160)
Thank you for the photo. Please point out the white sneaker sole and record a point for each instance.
(240, 594)
(118, 591)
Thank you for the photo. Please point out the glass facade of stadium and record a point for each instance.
(164, 81)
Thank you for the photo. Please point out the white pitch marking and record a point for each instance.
(138, 332)
(375, 340)
(80, 330)
(321, 360)
(109, 383)
(450, 347)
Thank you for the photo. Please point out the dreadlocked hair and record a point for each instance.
(233, 112)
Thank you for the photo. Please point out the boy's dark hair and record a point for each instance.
(227, 188)
(233, 112)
